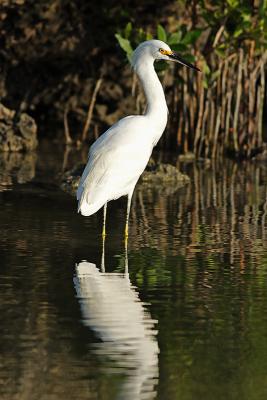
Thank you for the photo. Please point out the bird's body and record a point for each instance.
(119, 156)
(115, 163)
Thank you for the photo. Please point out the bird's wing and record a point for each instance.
(99, 154)
(110, 175)
(113, 167)
(117, 134)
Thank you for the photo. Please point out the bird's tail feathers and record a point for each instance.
(86, 208)
(92, 194)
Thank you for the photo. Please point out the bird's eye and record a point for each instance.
(164, 52)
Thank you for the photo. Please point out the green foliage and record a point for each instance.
(229, 25)
(180, 40)
(161, 33)
(241, 22)
(191, 37)
(125, 45)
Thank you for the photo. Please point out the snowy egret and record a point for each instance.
(119, 156)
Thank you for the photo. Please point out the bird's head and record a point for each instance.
(158, 50)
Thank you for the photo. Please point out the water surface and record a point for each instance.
(185, 317)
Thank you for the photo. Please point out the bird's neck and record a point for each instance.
(156, 103)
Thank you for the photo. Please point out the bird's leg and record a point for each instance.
(127, 216)
(103, 255)
(126, 256)
(104, 221)
(103, 239)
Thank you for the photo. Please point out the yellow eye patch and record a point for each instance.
(165, 52)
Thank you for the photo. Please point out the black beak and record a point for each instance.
(175, 57)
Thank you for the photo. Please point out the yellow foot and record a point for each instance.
(104, 233)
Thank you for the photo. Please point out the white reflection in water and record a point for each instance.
(111, 307)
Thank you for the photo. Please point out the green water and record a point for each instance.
(187, 321)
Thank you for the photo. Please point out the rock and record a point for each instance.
(157, 176)
(163, 173)
(16, 133)
(165, 179)
(70, 179)
(16, 167)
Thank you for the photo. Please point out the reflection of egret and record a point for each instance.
(111, 307)
(120, 155)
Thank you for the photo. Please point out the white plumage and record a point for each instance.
(115, 164)
(119, 156)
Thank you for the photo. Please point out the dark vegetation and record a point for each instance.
(62, 63)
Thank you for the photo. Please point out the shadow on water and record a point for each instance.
(197, 265)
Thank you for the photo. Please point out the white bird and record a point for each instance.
(119, 156)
